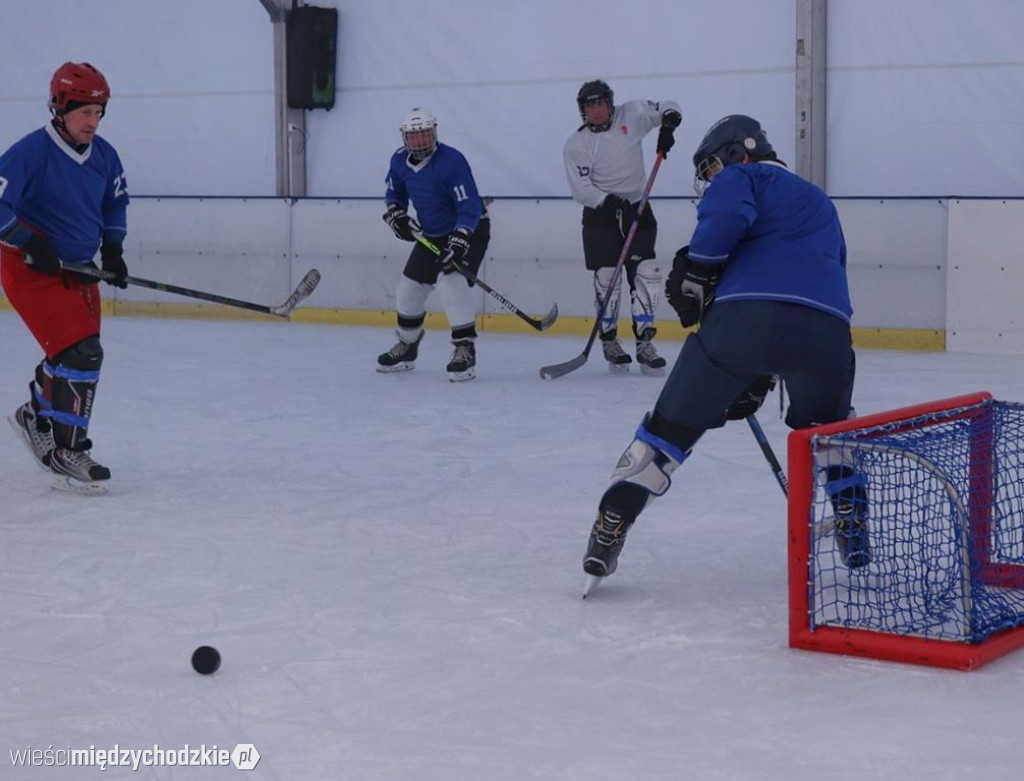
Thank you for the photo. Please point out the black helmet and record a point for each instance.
(591, 91)
(725, 144)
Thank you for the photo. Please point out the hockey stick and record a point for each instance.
(540, 325)
(305, 287)
(769, 454)
(560, 369)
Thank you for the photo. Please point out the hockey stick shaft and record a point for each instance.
(540, 325)
(769, 454)
(561, 369)
(309, 282)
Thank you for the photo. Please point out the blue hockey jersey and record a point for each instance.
(75, 198)
(441, 188)
(779, 236)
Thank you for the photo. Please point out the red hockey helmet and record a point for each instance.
(79, 83)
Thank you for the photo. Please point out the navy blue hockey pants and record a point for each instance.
(739, 341)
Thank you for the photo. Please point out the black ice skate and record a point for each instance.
(75, 471)
(401, 357)
(462, 366)
(650, 362)
(604, 546)
(618, 359)
(35, 432)
(852, 536)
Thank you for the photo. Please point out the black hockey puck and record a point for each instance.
(206, 660)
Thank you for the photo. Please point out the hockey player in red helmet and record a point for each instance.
(53, 217)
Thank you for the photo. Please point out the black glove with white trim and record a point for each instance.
(399, 222)
(690, 287)
(455, 252)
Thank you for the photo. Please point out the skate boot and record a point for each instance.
(401, 357)
(35, 432)
(852, 535)
(462, 366)
(75, 470)
(650, 362)
(618, 359)
(605, 543)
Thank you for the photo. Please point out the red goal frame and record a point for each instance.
(880, 645)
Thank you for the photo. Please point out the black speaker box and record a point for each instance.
(312, 48)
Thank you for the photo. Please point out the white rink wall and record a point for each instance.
(915, 264)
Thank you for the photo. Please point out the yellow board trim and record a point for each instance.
(916, 339)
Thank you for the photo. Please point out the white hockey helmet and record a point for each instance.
(419, 133)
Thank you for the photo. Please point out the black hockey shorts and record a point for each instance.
(602, 241)
(422, 265)
(743, 340)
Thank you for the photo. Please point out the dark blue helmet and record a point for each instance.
(725, 144)
(593, 91)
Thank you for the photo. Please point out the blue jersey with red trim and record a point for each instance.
(75, 197)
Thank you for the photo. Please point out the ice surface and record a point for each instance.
(390, 567)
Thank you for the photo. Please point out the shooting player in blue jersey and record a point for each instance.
(437, 180)
(768, 253)
(62, 198)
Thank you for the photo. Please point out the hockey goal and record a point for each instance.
(942, 506)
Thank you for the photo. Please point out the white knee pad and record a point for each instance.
(645, 293)
(411, 297)
(459, 300)
(643, 465)
(602, 292)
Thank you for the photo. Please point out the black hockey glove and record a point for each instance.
(666, 136)
(399, 222)
(750, 400)
(40, 255)
(112, 256)
(456, 251)
(690, 287)
(625, 212)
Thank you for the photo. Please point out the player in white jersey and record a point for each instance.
(605, 167)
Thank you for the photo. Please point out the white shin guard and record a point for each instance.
(411, 303)
(644, 297)
(602, 291)
(645, 466)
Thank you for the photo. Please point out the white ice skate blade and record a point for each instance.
(590, 583)
(404, 366)
(469, 374)
(618, 368)
(652, 372)
(69, 485)
(23, 437)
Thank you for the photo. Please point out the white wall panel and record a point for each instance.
(258, 249)
(232, 247)
(896, 261)
(986, 276)
(925, 97)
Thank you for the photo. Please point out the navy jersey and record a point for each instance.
(441, 189)
(779, 236)
(76, 199)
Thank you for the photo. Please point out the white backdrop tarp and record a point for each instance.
(925, 97)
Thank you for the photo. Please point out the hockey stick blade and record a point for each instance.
(561, 369)
(301, 293)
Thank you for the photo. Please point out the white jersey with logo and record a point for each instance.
(612, 161)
